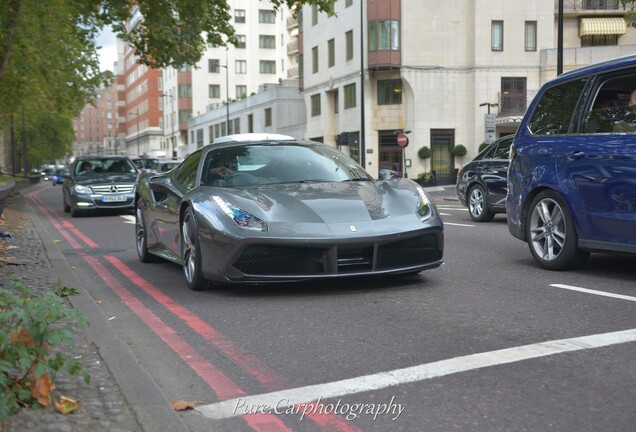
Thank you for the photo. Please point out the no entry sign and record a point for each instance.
(402, 140)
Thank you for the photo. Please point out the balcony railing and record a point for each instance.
(588, 5)
(292, 23)
(292, 47)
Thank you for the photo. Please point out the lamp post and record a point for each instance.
(227, 94)
(136, 114)
(170, 151)
(488, 104)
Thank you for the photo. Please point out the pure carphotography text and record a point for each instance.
(350, 411)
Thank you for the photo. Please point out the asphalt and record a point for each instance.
(121, 396)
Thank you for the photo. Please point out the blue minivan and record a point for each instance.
(572, 173)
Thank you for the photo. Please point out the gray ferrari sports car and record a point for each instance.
(269, 208)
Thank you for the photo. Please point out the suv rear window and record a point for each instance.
(553, 114)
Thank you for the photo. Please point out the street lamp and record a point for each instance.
(136, 114)
(227, 94)
(488, 104)
(170, 151)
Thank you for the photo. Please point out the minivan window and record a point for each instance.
(553, 114)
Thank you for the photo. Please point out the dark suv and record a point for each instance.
(572, 175)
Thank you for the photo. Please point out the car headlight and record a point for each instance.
(83, 189)
(424, 206)
(239, 216)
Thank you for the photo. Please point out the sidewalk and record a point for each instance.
(23, 258)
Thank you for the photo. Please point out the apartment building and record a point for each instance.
(96, 127)
(446, 73)
(226, 75)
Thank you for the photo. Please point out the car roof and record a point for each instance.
(253, 137)
(616, 63)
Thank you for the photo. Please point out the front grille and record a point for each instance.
(355, 259)
(409, 252)
(281, 260)
(111, 189)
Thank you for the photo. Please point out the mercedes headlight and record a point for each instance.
(240, 217)
(83, 189)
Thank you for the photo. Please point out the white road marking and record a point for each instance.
(451, 208)
(129, 219)
(446, 214)
(595, 292)
(303, 395)
(456, 224)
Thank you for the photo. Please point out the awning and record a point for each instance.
(602, 26)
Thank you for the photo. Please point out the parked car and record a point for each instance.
(572, 176)
(100, 182)
(58, 176)
(161, 166)
(481, 183)
(266, 208)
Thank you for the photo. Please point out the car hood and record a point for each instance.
(102, 178)
(321, 203)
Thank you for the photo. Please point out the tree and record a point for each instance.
(49, 67)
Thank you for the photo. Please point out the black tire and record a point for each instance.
(477, 202)
(551, 234)
(191, 253)
(67, 208)
(75, 212)
(142, 241)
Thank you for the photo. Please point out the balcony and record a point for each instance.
(590, 6)
(292, 72)
(292, 47)
(292, 23)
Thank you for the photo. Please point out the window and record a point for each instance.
(187, 171)
(240, 66)
(314, 15)
(199, 138)
(349, 46)
(384, 35)
(268, 117)
(336, 102)
(241, 41)
(331, 53)
(213, 66)
(553, 113)
(185, 115)
(266, 16)
(241, 91)
(314, 59)
(496, 36)
(237, 126)
(267, 66)
(214, 91)
(390, 92)
(250, 123)
(513, 95)
(531, 36)
(267, 41)
(599, 40)
(239, 16)
(211, 134)
(348, 3)
(315, 105)
(349, 96)
(185, 90)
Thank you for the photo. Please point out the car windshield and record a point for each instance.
(100, 166)
(144, 163)
(279, 163)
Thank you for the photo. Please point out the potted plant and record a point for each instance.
(426, 179)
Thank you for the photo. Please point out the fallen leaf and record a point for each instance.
(57, 241)
(181, 405)
(99, 301)
(65, 405)
(41, 390)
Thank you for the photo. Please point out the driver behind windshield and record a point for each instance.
(222, 167)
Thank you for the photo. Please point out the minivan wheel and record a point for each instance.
(191, 253)
(478, 205)
(551, 235)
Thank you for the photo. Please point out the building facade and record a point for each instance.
(96, 127)
(446, 73)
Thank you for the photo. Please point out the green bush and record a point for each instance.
(459, 150)
(482, 146)
(428, 177)
(424, 153)
(34, 331)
